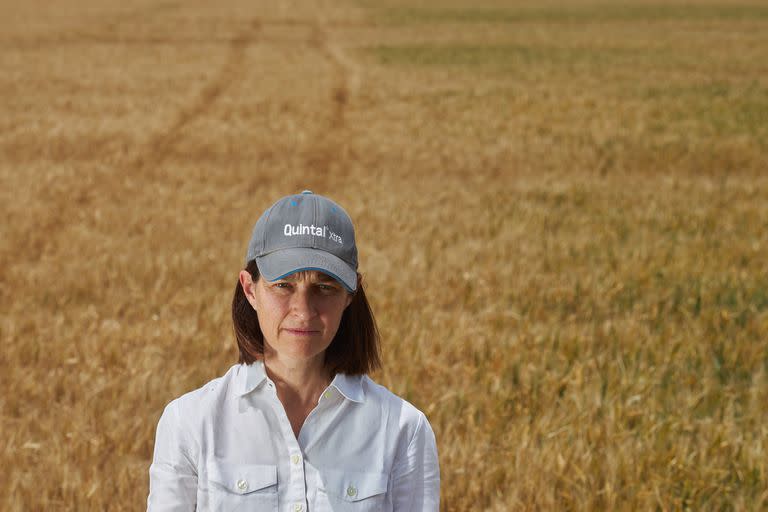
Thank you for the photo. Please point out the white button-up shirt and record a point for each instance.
(229, 446)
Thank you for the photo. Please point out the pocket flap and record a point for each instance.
(242, 478)
(351, 485)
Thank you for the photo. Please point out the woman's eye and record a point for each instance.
(283, 285)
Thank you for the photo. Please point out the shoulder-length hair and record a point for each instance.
(354, 350)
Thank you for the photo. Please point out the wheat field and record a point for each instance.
(561, 211)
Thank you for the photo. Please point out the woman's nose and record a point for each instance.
(301, 303)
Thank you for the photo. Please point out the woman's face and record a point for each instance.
(298, 315)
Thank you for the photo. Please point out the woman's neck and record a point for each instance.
(298, 383)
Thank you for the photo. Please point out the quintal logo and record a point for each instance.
(301, 229)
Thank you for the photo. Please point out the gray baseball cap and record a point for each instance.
(305, 232)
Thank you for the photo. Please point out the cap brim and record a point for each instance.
(282, 263)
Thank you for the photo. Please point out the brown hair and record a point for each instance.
(354, 350)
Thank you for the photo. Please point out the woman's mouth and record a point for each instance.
(303, 332)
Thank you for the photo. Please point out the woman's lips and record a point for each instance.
(303, 332)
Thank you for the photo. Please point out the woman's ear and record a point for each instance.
(249, 287)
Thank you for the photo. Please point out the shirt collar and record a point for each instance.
(350, 386)
(252, 376)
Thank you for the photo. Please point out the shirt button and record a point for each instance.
(327, 394)
(295, 459)
(298, 507)
(351, 491)
(242, 484)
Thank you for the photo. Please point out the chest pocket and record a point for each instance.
(352, 491)
(240, 487)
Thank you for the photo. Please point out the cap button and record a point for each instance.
(307, 192)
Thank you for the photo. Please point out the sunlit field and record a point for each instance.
(561, 212)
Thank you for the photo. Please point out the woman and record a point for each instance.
(297, 425)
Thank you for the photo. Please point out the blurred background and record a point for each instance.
(561, 211)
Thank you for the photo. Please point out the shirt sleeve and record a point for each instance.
(173, 472)
(416, 476)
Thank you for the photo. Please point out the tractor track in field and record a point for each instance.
(143, 167)
(326, 145)
(329, 145)
(48, 232)
(156, 150)
(346, 79)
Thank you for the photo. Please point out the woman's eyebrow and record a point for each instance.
(320, 276)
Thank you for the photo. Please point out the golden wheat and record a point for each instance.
(561, 209)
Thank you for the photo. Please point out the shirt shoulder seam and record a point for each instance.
(184, 437)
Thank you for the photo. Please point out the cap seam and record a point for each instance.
(264, 237)
(314, 221)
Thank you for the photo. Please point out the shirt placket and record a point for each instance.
(296, 497)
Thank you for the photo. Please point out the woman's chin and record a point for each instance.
(298, 352)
